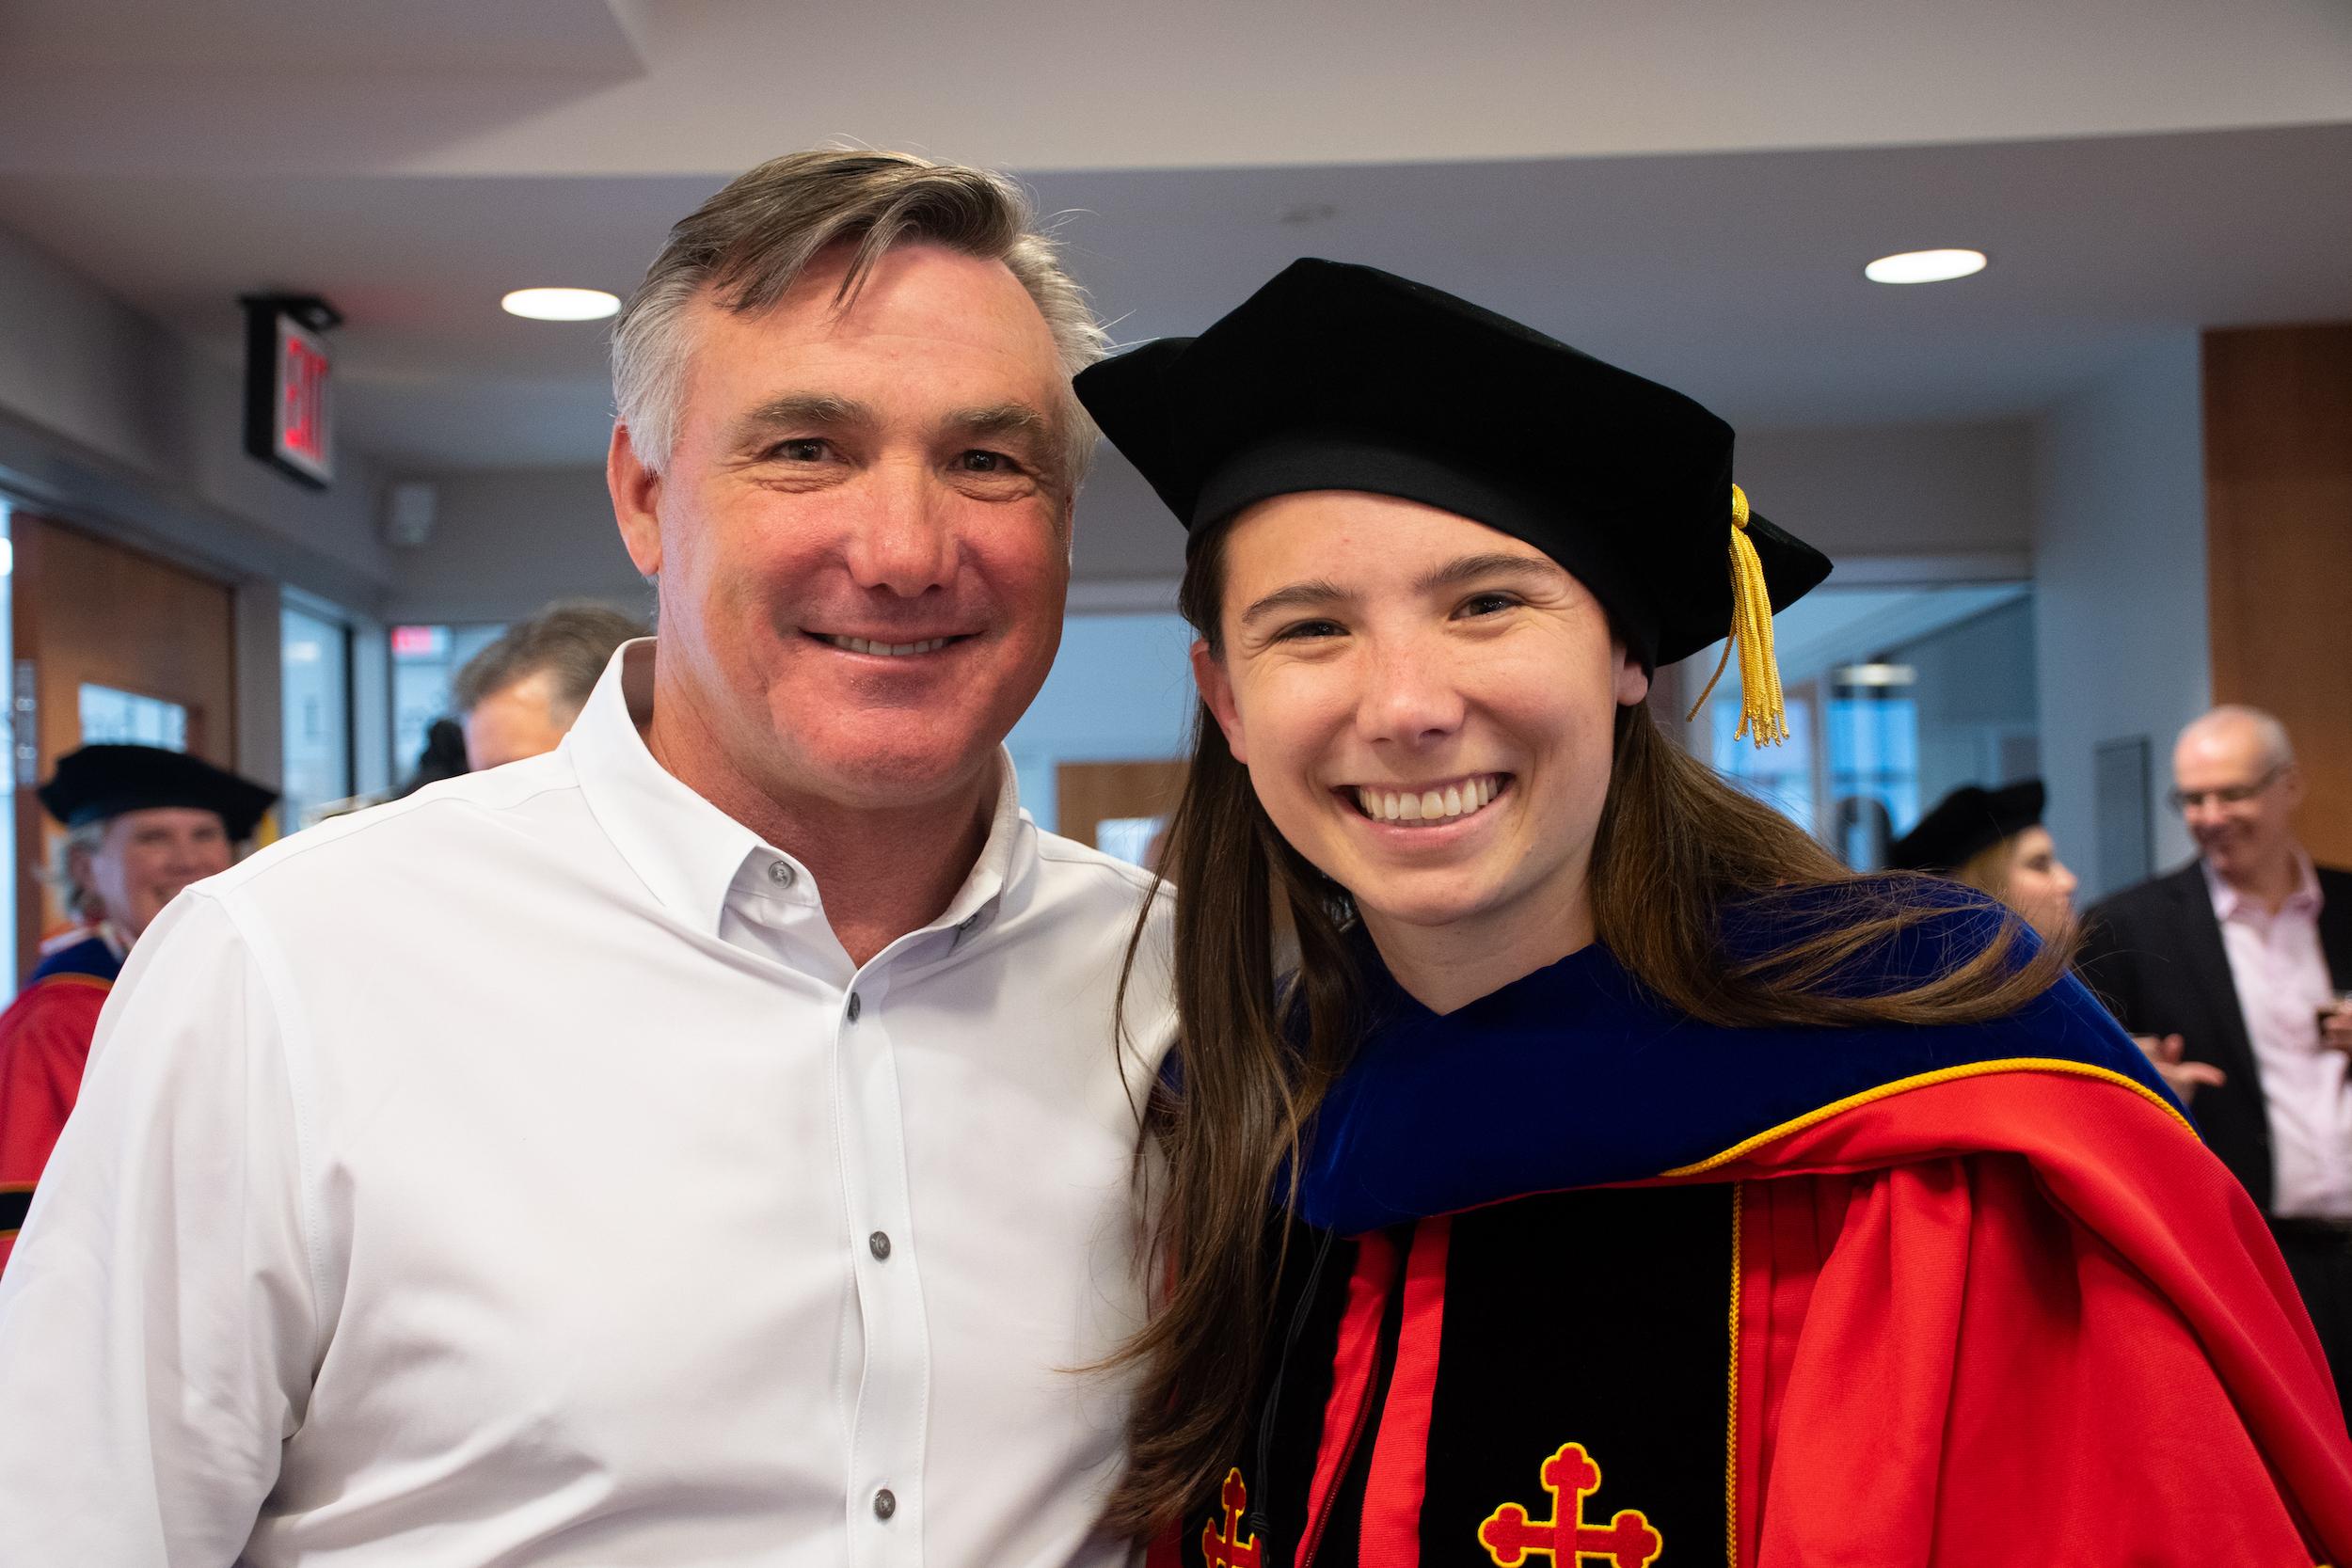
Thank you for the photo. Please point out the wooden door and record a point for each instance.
(1088, 794)
(2278, 551)
(87, 612)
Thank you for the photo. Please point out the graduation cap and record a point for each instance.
(99, 781)
(1965, 823)
(1343, 377)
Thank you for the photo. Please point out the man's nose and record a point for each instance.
(902, 541)
(1408, 696)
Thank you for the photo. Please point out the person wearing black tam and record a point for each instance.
(1614, 1178)
(1993, 840)
(141, 823)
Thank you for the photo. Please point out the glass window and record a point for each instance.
(425, 662)
(113, 718)
(1896, 696)
(315, 658)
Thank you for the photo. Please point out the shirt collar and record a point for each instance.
(2230, 904)
(687, 852)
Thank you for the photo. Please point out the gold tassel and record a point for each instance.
(1762, 714)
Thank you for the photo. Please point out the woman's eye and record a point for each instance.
(1486, 604)
(1303, 629)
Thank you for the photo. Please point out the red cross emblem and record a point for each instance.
(1571, 1476)
(1228, 1548)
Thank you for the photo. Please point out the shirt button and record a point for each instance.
(781, 873)
(856, 1007)
(879, 1244)
(885, 1503)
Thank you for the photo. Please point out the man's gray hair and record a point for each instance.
(571, 640)
(750, 243)
(81, 900)
(2277, 746)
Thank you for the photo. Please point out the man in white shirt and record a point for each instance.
(704, 1142)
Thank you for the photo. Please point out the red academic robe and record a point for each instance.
(45, 1038)
(1577, 1281)
(2080, 1343)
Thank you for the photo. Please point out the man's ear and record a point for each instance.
(636, 501)
(1216, 691)
(1632, 680)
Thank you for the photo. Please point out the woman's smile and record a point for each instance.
(1436, 805)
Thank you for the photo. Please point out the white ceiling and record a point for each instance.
(1687, 188)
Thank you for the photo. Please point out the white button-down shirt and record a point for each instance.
(522, 1173)
(2281, 973)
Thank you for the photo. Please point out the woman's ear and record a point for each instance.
(1632, 680)
(1216, 691)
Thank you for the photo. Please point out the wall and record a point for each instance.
(1927, 492)
(2278, 553)
(112, 423)
(2119, 586)
(109, 421)
(508, 541)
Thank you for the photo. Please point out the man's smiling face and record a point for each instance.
(862, 529)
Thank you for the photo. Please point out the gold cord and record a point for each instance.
(1763, 714)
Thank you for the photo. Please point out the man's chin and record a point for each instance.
(881, 779)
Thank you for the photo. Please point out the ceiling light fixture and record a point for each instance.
(1925, 267)
(561, 304)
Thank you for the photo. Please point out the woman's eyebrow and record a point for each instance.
(1494, 563)
(1312, 592)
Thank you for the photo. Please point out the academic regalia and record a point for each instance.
(1866, 1296)
(44, 1042)
(46, 1031)
(1578, 1278)
(1965, 823)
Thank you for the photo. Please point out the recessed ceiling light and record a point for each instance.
(559, 305)
(1925, 267)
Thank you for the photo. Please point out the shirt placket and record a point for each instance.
(887, 1426)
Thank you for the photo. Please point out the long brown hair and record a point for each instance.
(1674, 847)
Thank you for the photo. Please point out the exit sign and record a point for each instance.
(289, 385)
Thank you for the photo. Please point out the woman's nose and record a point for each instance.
(1410, 696)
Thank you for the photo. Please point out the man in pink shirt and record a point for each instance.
(2232, 969)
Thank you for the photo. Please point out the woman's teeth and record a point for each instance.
(866, 645)
(1429, 805)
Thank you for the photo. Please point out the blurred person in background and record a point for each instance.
(141, 823)
(1993, 840)
(443, 756)
(2237, 963)
(518, 697)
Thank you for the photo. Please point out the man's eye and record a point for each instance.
(980, 462)
(800, 449)
(1486, 604)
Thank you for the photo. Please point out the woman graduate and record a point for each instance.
(1993, 840)
(1616, 1180)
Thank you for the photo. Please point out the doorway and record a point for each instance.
(107, 642)
(1118, 807)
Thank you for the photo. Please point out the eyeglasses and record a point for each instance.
(2228, 795)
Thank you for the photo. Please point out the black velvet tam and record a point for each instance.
(1966, 822)
(99, 781)
(1343, 377)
